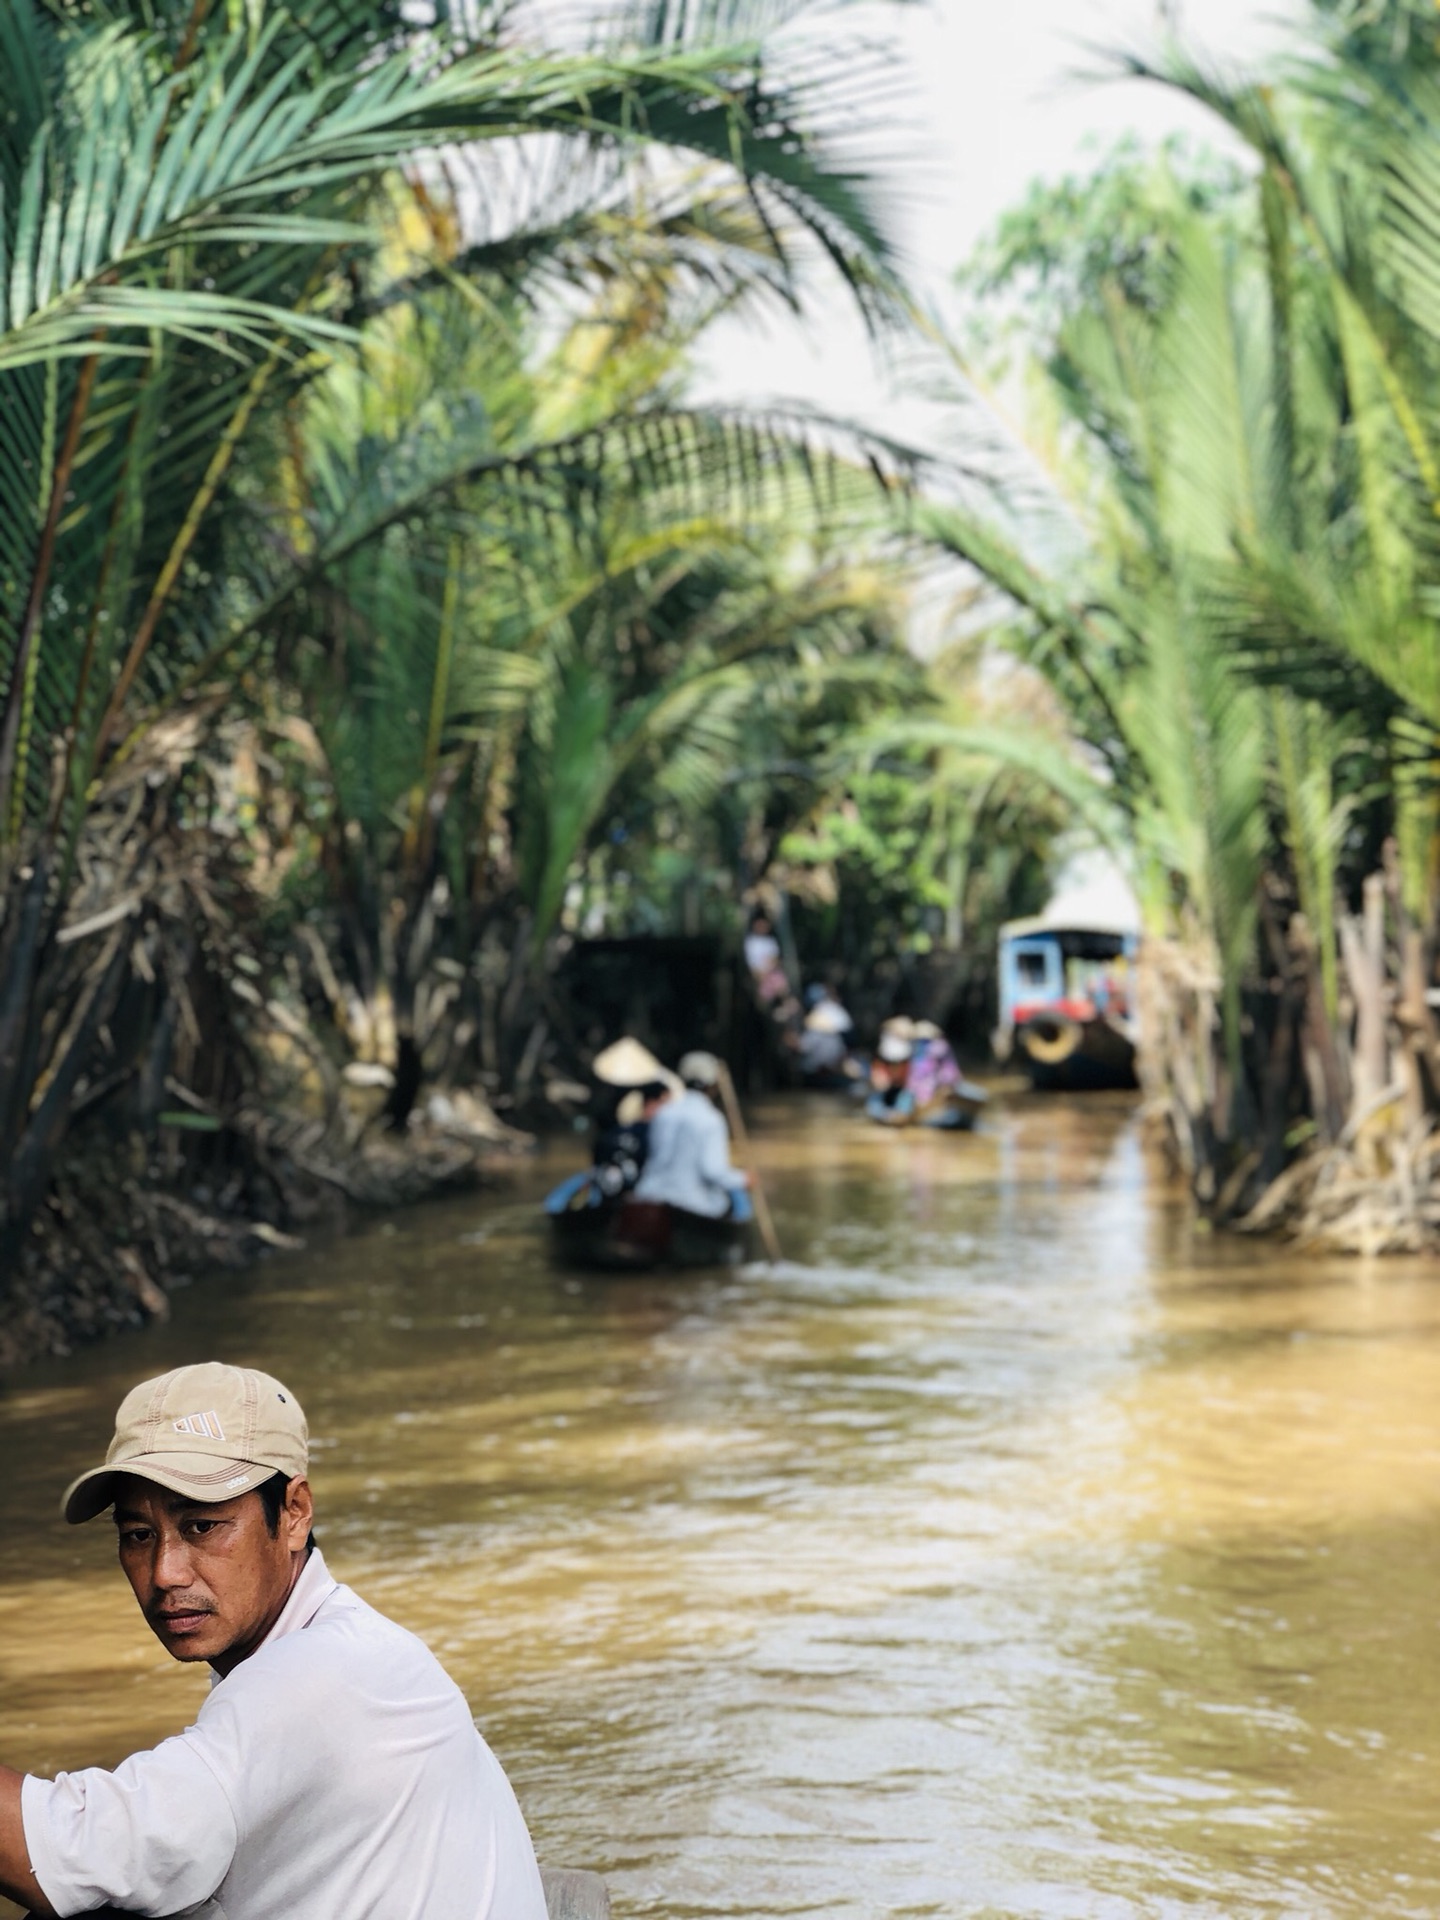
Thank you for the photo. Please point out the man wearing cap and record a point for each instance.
(334, 1771)
(688, 1163)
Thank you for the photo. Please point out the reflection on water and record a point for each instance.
(1012, 1550)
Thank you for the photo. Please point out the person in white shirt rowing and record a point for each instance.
(688, 1162)
(334, 1770)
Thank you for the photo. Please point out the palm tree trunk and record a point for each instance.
(11, 803)
(1363, 945)
(26, 935)
(31, 1165)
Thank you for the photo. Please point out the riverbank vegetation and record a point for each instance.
(1219, 532)
(361, 562)
(378, 614)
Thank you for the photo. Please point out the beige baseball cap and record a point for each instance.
(210, 1431)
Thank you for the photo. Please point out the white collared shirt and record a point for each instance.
(688, 1161)
(334, 1775)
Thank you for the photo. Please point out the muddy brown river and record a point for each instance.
(1013, 1549)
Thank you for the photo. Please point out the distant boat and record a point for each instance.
(954, 1110)
(1067, 1002)
(619, 1233)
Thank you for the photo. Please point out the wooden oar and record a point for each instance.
(763, 1217)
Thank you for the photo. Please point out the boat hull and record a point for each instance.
(1064, 1054)
(955, 1112)
(624, 1235)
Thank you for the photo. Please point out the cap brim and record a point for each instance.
(200, 1475)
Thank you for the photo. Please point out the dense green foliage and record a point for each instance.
(343, 471)
(1230, 576)
(376, 615)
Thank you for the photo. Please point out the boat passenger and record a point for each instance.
(823, 1046)
(934, 1070)
(890, 1072)
(333, 1769)
(762, 957)
(622, 1147)
(689, 1159)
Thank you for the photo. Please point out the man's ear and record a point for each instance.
(298, 1514)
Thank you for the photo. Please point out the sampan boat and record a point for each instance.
(954, 1110)
(620, 1234)
(1067, 1002)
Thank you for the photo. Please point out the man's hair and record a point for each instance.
(272, 1498)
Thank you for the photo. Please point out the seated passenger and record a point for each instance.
(934, 1070)
(889, 1100)
(333, 1771)
(762, 957)
(688, 1164)
(820, 1053)
(822, 1045)
(621, 1148)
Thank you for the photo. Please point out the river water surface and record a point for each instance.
(1013, 1549)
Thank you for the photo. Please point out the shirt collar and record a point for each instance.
(307, 1596)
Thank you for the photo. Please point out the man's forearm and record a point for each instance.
(16, 1878)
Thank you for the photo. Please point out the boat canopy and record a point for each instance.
(1060, 929)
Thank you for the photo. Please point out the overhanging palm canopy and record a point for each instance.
(184, 216)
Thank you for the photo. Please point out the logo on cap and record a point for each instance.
(204, 1426)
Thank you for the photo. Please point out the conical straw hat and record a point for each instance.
(627, 1064)
(828, 1017)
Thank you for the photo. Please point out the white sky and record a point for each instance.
(997, 102)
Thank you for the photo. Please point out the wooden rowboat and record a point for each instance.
(573, 1895)
(620, 1234)
(955, 1110)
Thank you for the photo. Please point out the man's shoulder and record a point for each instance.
(344, 1621)
(669, 1120)
(348, 1644)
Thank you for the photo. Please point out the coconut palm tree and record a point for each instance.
(187, 239)
(1233, 589)
(1224, 529)
(619, 595)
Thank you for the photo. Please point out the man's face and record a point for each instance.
(210, 1577)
